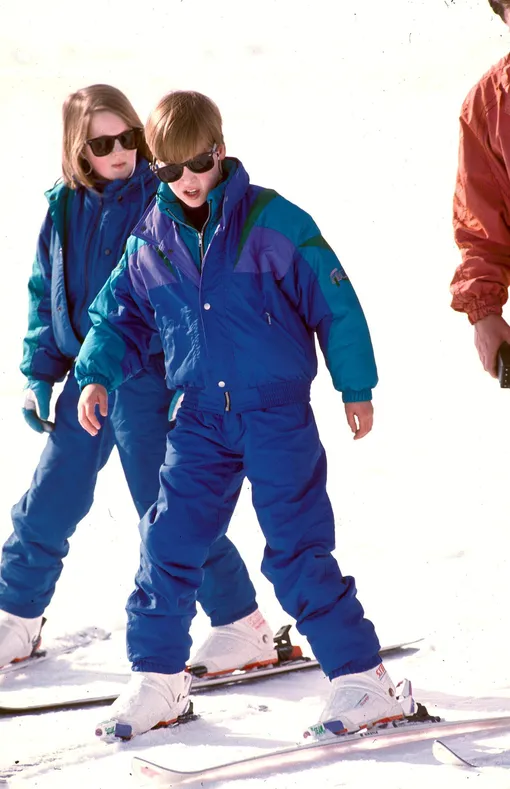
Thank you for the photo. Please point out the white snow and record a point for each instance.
(349, 109)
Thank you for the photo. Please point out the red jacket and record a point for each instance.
(481, 211)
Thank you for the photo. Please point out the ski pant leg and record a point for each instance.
(60, 495)
(227, 593)
(140, 422)
(177, 535)
(286, 464)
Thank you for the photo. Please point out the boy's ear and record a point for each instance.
(222, 151)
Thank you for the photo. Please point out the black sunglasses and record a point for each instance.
(129, 139)
(169, 173)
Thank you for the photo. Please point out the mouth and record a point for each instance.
(192, 193)
(119, 165)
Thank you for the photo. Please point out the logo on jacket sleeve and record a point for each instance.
(337, 275)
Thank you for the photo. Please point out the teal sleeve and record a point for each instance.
(42, 359)
(328, 304)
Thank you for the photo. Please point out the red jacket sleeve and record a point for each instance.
(481, 216)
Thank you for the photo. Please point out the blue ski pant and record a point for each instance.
(279, 451)
(62, 493)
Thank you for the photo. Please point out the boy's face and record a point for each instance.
(193, 188)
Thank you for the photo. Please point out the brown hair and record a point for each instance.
(498, 6)
(76, 114)
(183, 124)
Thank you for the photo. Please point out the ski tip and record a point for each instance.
(445, 755)
(112, 730)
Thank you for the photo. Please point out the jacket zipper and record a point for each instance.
(200, 234)
(201, 238)
(201, 253)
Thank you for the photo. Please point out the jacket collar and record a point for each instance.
(222, 201)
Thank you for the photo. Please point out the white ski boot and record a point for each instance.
(245, 644)
(148, 701)
(19, 637)
(360, 701)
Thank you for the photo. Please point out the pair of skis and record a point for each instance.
(369, 741)
(301, 754)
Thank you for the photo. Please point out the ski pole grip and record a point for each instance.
(504, 365)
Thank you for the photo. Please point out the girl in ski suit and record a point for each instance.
(236, 305)
(107, 184)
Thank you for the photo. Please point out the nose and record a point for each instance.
(187, 177)
(117, 146)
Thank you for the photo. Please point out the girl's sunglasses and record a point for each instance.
(102, 146)
(169, 173)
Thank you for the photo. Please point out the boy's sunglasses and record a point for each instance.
(102, 146)
(169, 173)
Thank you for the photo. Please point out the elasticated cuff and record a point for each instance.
(483, 310)
(360, 396)
(95, 379)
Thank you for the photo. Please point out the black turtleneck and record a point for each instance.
(197, 217)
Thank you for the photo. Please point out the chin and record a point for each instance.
(124, 172)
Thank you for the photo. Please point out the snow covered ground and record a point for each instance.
(349, 109)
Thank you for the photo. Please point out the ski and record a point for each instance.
(286, 665)
(344, 745)
(446, 755)
(59, 646)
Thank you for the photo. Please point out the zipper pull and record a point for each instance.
(201, 248)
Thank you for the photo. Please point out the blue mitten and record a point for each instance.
(36, 405)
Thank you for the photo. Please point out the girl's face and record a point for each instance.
(121, 162)
(193, 188)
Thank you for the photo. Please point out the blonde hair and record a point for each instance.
(76, 114)
(183, 124)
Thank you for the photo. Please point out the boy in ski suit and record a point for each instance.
(237, 300)
(481, 212)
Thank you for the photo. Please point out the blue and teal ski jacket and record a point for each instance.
(82, 238)
(237, 306)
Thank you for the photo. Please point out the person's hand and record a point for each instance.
(36, 405)
(92, 395)
(360, 417)
(490, 332)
